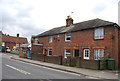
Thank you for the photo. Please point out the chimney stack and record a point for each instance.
(69, 21)
(18, 35)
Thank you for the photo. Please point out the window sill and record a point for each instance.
(86, 59)
(50, 42)
(99, 39)
(67, 41)
(49, 55)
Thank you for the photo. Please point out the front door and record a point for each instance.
(28, 55)
(76, 52)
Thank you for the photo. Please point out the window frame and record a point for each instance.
(36, 40)
(78, 52)
(99, 33)
(67, 36)
(3, 44)
(50, 39)
(66, 53)
(49, 52)
(98, 54)
(84, 55)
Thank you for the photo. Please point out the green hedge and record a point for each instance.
(73, 61)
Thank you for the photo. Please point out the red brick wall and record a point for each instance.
(84, 39)
(116, 46)
(10, 45)
(119, 50)
(37, 49)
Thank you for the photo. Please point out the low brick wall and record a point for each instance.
(66, 61)
(38, 57)
(91, 64)
(54, 59)
(70, 61)
(23, 55)
(50, 59)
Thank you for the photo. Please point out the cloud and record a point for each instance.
(99, 8)
(15, 18)
(119, 13)
(29, 17)
(24, 12)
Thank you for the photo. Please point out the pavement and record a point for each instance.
(96, 74)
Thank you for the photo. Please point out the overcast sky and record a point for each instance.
(32, 17)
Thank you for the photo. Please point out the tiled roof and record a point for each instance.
(77, 27)
(6, 38)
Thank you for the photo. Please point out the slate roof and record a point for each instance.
(6, 38)
(77, 27)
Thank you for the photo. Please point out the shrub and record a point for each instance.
(73, 61)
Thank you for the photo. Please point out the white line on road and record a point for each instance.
(22, 71)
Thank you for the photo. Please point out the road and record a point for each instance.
(12, 69)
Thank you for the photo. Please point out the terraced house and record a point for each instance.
(91, 40)
(12, 43)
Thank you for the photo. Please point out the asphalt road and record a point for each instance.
(13, 70)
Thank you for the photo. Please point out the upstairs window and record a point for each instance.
(3, 43)
(36, 40)
(50, 39)
(49, 52)
(99, 33)
(98, 54)
(68, 37)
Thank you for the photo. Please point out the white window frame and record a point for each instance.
(49, 52)
(99, 33)
(98, 54)
(36, 40)
(50, 39)
(88, 54)
(67, 53)
(17, 45)
(67, 35)
(3, 43)
(43, 51)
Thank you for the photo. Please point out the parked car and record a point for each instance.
(8, 50)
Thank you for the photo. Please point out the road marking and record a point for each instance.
(22, 71)
(92, 77)
(59, 71)
(48, 80)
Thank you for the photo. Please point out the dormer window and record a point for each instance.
(99, 33)
(68, 37)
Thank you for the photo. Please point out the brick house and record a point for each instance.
(13, 43)
(92, 40)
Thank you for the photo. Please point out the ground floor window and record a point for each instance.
(49, 52)
(86, 54)
(98, 54)
(76, 52)
(67, 53)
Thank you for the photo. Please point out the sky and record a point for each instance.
(32, 17)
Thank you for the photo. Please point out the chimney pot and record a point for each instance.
(18, 35)
(69, 21)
